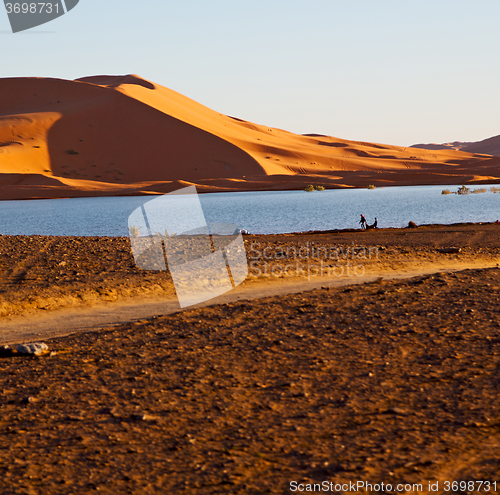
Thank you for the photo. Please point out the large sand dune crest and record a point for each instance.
(113, 135)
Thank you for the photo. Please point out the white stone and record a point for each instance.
(33, 349)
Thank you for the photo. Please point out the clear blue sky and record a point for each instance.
(390, 71)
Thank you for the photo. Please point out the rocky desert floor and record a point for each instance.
(393, 381)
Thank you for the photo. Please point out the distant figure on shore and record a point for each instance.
(373, 226)
(362, 222)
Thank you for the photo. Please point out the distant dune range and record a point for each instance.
(490, 146)
(123, 135)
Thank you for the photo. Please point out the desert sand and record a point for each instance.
(388, 375)
(123, 135)
(392, 381)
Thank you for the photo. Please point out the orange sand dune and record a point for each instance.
(123, 135)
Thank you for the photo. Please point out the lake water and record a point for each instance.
(260, 212)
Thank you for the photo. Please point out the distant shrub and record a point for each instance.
(309, 188)
(494, 189)
(479, 191)
(166, 234)
(371, 186)
(463, 190)
(446, 191)
(320, 188)
(134, 231)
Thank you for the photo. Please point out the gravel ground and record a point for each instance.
(392, 381)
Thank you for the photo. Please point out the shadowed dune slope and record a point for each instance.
(114, 135)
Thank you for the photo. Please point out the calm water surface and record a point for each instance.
(259, 212)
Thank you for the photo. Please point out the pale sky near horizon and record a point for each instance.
(388, 71)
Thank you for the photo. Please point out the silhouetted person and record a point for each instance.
(362, 222)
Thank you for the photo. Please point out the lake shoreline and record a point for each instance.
(47, 273)
(380, 180)
(255, 212)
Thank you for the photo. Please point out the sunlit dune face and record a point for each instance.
(111, 135)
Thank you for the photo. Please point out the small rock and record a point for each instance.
(412, 225)
(75, 417)
(6, 351)
(33, 349)
(397, 410)
(143, 417)
(450, 250)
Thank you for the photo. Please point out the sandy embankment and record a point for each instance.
(103, 135)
